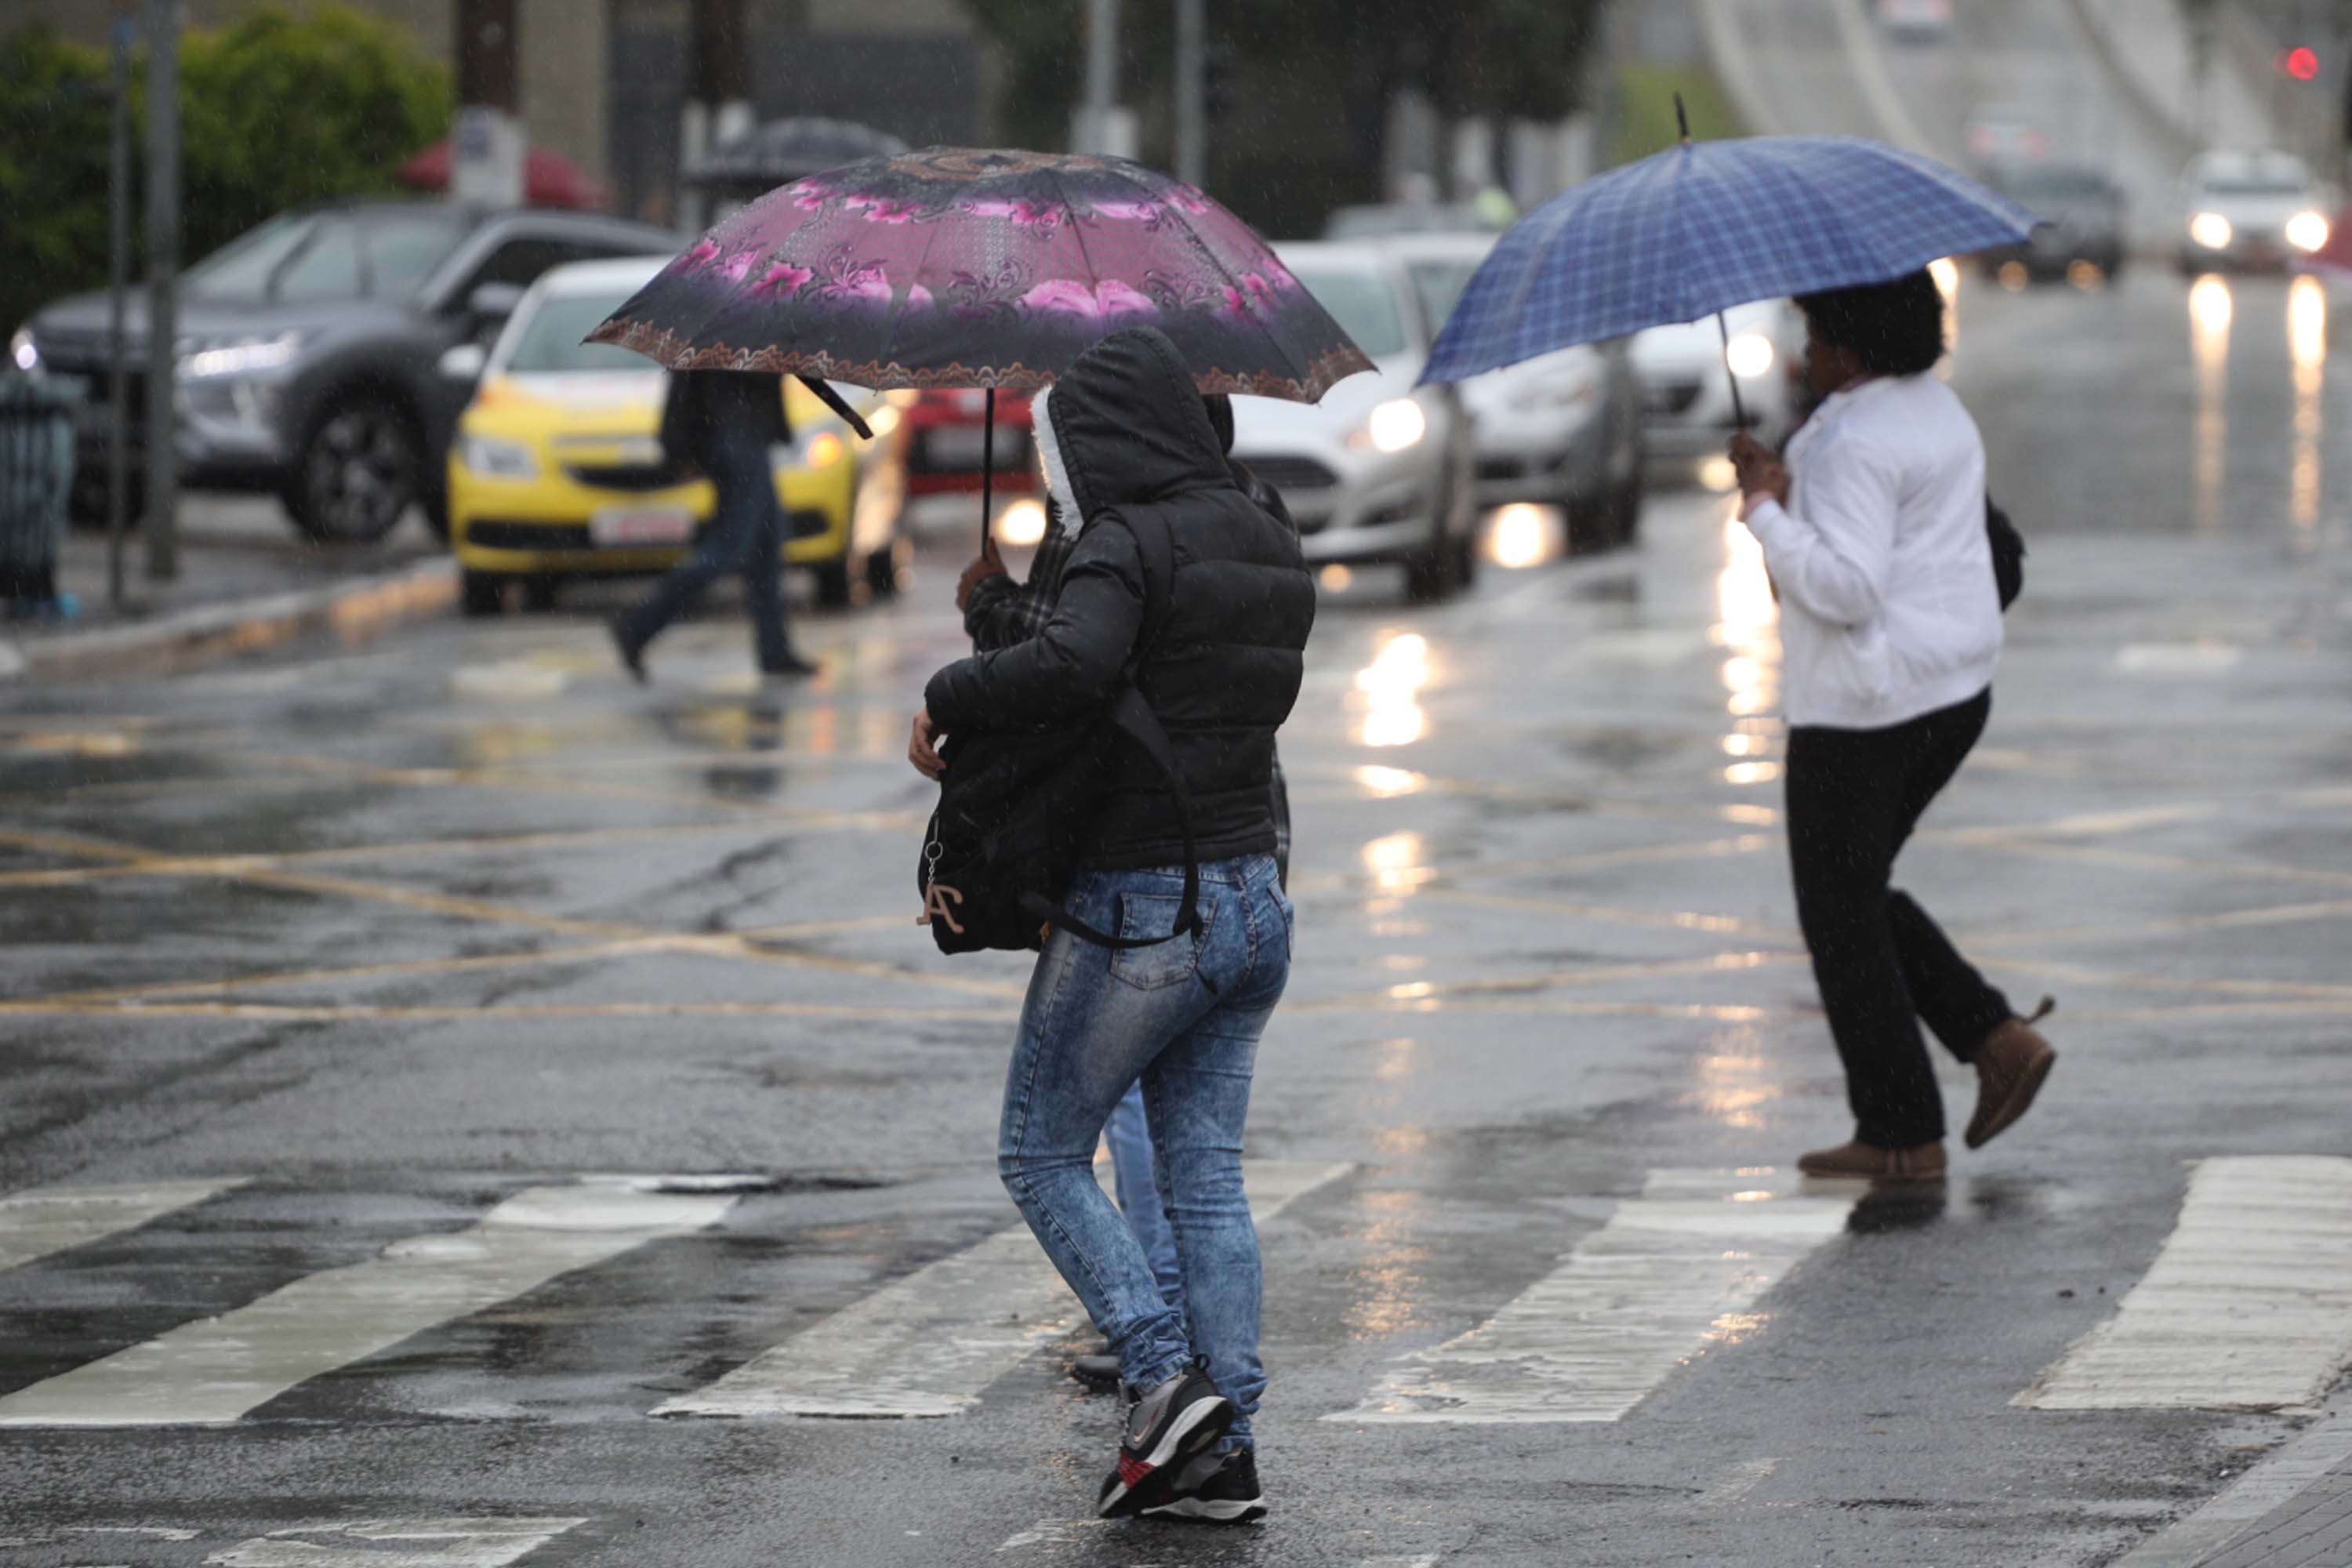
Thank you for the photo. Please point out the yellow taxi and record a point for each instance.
(557, 469)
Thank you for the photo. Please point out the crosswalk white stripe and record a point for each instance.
(926, 1345)
(213, 1371)
(396, 1544)
(39, 1221)
(1673, 1272)
(2247, 1306)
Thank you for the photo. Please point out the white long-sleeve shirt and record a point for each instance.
(1889, 608)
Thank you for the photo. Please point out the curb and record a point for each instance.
(352, 612)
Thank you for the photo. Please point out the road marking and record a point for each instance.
(1670, 1276)
(42, 1220)
(2247, 1307)
(1055, 1533)
(2275, 1482)
(396, 1544)
(928, 1344)
(212, 1371)
(1744, 1478)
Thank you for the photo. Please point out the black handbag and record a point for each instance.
(2007, 555)
(1015, 807)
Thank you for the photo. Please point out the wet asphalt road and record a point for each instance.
(391, 935)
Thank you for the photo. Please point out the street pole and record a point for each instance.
(1192, 92)
(163, 17)
(1093, 133)
(717, 96)
(118, 292)
(487, 149)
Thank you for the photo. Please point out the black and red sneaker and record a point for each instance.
(1215, 1488)
(1164, 1427)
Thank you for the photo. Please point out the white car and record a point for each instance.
(1687, 374)
(1563, 429)
(2249, 211)
(1381, 469)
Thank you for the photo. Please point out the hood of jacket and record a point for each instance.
(1127, 425)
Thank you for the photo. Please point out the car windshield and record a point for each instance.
(2255, 185)
(548, 344)
(1363, 304)
(1439, 285)
(379, 255)
(2055, 185)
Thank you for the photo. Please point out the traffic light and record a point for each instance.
(2301, 62)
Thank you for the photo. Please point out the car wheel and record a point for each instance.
(481, 593)
(882, 572)
(833, 584)
(361, 468)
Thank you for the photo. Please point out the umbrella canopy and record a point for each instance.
(769, 155)
(549, 178)
(955, 267)
(1706, 226)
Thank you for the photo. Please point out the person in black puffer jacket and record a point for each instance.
(1220, 674)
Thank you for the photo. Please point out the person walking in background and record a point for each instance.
(999, 612)
(723, 424)
(1874, 534)
(1221, 671)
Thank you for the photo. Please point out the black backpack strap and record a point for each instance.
(1133, 717)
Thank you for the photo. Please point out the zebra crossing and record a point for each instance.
(2246, 1306)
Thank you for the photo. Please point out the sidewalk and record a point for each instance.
(246, 580)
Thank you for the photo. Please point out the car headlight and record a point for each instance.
(1749, 356)
(241, 357)
(2306, 231)
(2210, 231)
(1392, 426)
(23, 352)
(497, 459)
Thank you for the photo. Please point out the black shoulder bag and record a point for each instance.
(2008, 553)
(1002, 847)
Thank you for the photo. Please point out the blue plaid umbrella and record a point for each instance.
(1701, 227)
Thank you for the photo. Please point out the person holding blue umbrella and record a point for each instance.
(1874, 531)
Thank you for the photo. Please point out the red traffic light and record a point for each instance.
(2302, 62)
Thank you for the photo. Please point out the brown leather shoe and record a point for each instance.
(1920, 1162)
(2011, 1066)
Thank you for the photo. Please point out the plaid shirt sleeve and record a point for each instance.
(1002, 613)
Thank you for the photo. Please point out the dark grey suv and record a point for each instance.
(309, 351)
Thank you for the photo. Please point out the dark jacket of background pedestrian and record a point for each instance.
(1225, 668)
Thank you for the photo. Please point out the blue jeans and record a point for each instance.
(746, 535)
(1129, 1133)
(1185, 1017)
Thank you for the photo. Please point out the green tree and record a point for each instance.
(276, 110)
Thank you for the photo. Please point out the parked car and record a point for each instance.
(1915, 21)
(2250, 211)
(558, 468)
(1686, 391)
(1562, 430)
(1380, 471)
(945, 440)
(2084, 214)
(309, 347)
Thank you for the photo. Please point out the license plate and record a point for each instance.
(958, 446)
(640, 525)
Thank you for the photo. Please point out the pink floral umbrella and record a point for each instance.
(953, 267)
(960, 266)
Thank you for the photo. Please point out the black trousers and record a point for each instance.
(746, 535)
(1853, 796)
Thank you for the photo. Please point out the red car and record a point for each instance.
(945, 433)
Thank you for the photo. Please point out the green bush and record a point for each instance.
(276, 110)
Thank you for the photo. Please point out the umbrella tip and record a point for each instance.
(1681, 118)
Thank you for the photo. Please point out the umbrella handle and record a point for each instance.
(832, 400)
(987, 467)
(1739, 410)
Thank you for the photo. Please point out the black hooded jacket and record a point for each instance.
(1225, 668)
